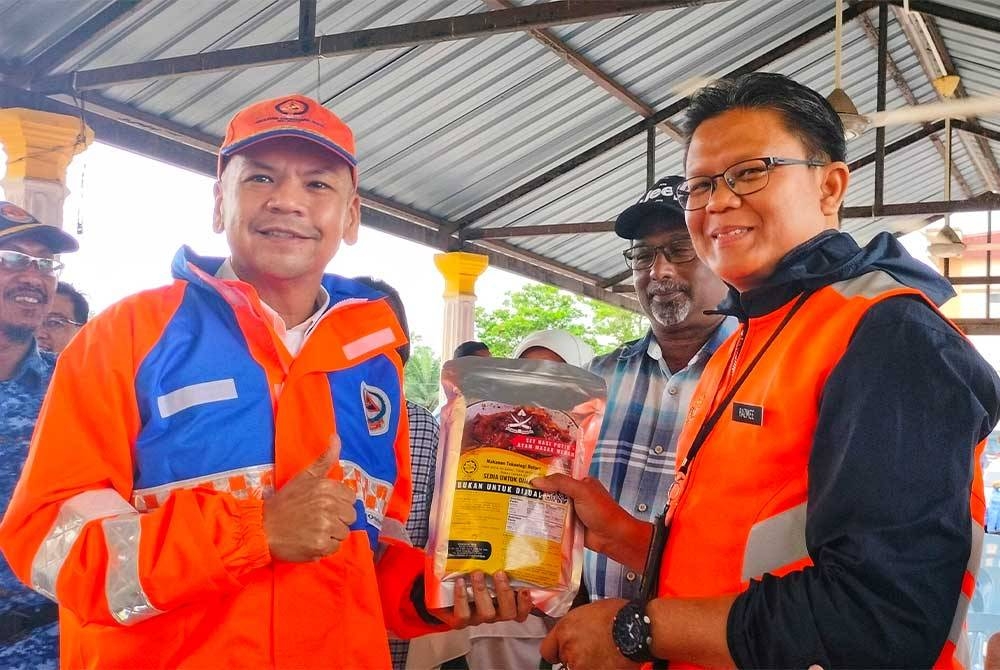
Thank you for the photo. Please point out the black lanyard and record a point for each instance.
(651, 573)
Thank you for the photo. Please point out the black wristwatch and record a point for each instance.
(632, 633)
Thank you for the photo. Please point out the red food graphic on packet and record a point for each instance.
(526, 429)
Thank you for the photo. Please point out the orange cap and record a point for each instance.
(289, 116)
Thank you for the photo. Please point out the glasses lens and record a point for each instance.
(694, 193)
(747, 177)
(49, 266)
(680, 251)
(14, 260)
(640, 258)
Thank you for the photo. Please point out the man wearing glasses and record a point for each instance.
(28, 275)
(828, 503)
(650, 380)
(67, 315)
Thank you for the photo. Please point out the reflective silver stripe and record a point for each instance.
(392, 529)
(128, 603)
(962, 652)
(370, 342)
(196, 394)
(775, 542)
(256, 481)
(957, 632)
(868, 285)
(72, 516)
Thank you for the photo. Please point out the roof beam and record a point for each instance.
(982, 203)
(590, 70)
(819, 30)
(535, 231)
(925, 39)
(610, 282)
(307, 24)
(787, 47)
(119, 111)
(871, 32)
(405, 222)
(928, 129)
(980, 131)
(380, 213)
(481, 24)
(122, 135)
(99, 24)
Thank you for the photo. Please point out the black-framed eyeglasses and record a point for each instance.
(59, 322)
(743, 178)
(15, 261)
(643, 256)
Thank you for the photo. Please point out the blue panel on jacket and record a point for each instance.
(367, 402)
(185, 374)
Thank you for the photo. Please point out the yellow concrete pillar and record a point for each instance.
(39, 148)
(460, 270)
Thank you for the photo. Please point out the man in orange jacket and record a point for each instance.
(220, 476)
(828, 503)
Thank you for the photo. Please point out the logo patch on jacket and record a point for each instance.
(753, 414)
(377, 408)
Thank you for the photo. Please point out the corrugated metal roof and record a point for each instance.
(444, 128)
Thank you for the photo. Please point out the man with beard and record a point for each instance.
(28, 272)
(650, 380)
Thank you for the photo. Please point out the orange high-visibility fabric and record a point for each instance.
(746, 475)
(203, 556)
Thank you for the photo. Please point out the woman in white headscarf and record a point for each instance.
(555, 345)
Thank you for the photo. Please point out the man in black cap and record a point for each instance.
(28, 275)
(650, 380)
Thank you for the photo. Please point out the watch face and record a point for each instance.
(631, 631)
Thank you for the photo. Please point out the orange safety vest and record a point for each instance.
(170, 417)
(742, 512)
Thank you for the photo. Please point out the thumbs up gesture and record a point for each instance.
(310, 516)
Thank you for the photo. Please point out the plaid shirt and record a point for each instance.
(423, 464)
(637, 448)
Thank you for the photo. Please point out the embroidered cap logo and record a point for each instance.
(15, 214)
(292, 107)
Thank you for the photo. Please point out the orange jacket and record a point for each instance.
(742, 515)
(169, 418)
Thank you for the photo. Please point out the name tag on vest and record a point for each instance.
(753, 414)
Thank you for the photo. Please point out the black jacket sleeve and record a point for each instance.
(888, 526)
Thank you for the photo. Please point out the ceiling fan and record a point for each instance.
(855, 123)
(946, 241)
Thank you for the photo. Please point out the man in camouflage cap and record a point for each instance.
(28, 275)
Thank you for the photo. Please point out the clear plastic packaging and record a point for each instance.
(504, 423)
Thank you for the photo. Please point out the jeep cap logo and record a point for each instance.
(659, 193)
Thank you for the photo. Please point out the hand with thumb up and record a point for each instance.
(310, 516)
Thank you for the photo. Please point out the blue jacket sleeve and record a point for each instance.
(888, 528)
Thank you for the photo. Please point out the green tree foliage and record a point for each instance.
(541, 307)
(421, 376)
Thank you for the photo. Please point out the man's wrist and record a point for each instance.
(420, 603)
(639, 539)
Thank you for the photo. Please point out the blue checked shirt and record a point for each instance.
(423, 463)
(637, 448)
(20, 399)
